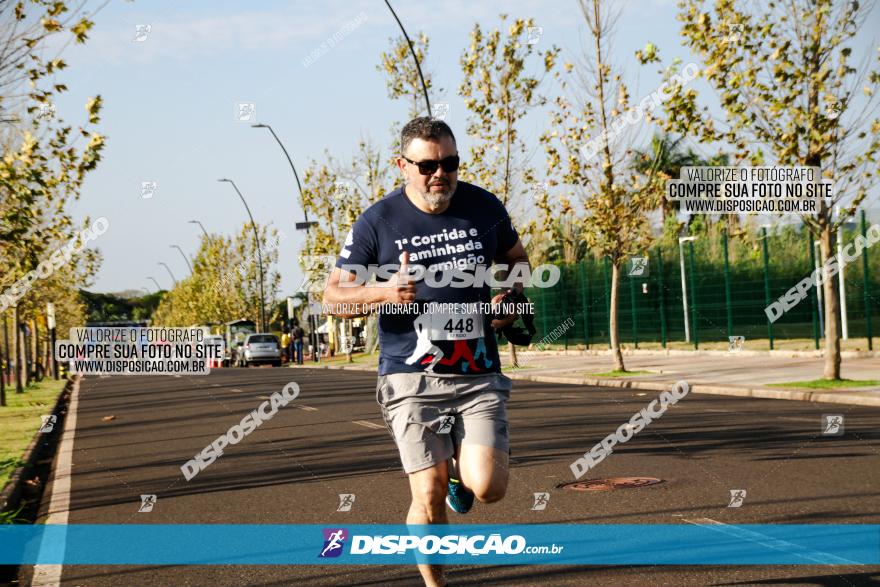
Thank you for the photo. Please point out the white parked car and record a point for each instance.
(261, 348)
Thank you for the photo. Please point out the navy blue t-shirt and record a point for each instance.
(471, 233)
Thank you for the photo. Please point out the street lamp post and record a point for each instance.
(313, 335)
(684, 295)
(205, 232)
(259, 252)
(158, 287)
(185, 258)
(168, 269)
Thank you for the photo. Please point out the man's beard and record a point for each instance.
(438, 199)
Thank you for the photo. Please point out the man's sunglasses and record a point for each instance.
(429, 167)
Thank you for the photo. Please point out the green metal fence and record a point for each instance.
(726, 293)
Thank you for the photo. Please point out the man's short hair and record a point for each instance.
(425, 128)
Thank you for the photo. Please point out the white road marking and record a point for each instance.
(821, 558)
(59, 500)
(235, 390)
(367, 424)
(307, 408)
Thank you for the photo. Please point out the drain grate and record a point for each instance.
(609, 484)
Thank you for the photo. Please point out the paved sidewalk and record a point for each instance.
(741, 374)
(745, 374)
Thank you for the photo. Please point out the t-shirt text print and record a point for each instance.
(474, 231)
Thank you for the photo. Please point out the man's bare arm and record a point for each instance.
(515, 256)
(345, 299)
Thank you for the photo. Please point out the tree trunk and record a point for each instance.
(612, 322)
(3, 374)
(25, 355)
(511, 349)
(832, 308)
(349, 339)
(16, 349)
(35, 351)
(371, 335)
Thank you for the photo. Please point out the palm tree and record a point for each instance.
(665, 157)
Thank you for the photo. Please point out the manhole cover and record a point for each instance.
(610, 483)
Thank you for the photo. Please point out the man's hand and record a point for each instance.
(401, 291)
(507, 320)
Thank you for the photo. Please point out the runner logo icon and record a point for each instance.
(446, 425)
(346, 500)
(334, 540)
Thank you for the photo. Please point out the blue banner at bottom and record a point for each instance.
(515, 544)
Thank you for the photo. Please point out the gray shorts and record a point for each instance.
(429, 416)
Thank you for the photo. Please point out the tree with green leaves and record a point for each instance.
(791, 95)
(598, 172)
(224, 284)
(402, 78)
(45, 160)
(500, 87)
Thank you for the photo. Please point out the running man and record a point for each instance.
(436, 365)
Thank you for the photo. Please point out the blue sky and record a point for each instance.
(170, 104)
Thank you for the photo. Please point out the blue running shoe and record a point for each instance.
(459, 498)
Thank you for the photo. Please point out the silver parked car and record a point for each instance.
(261, 348)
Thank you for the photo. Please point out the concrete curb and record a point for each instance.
(756, 392)
(9, 497)
(702, 352)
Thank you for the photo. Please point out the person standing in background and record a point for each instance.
(285, 345)
(297, 339)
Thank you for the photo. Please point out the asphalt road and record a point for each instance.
(331, 441)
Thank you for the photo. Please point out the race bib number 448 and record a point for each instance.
(451, 326)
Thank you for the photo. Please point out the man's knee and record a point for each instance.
(490, 492)
(429, 491)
